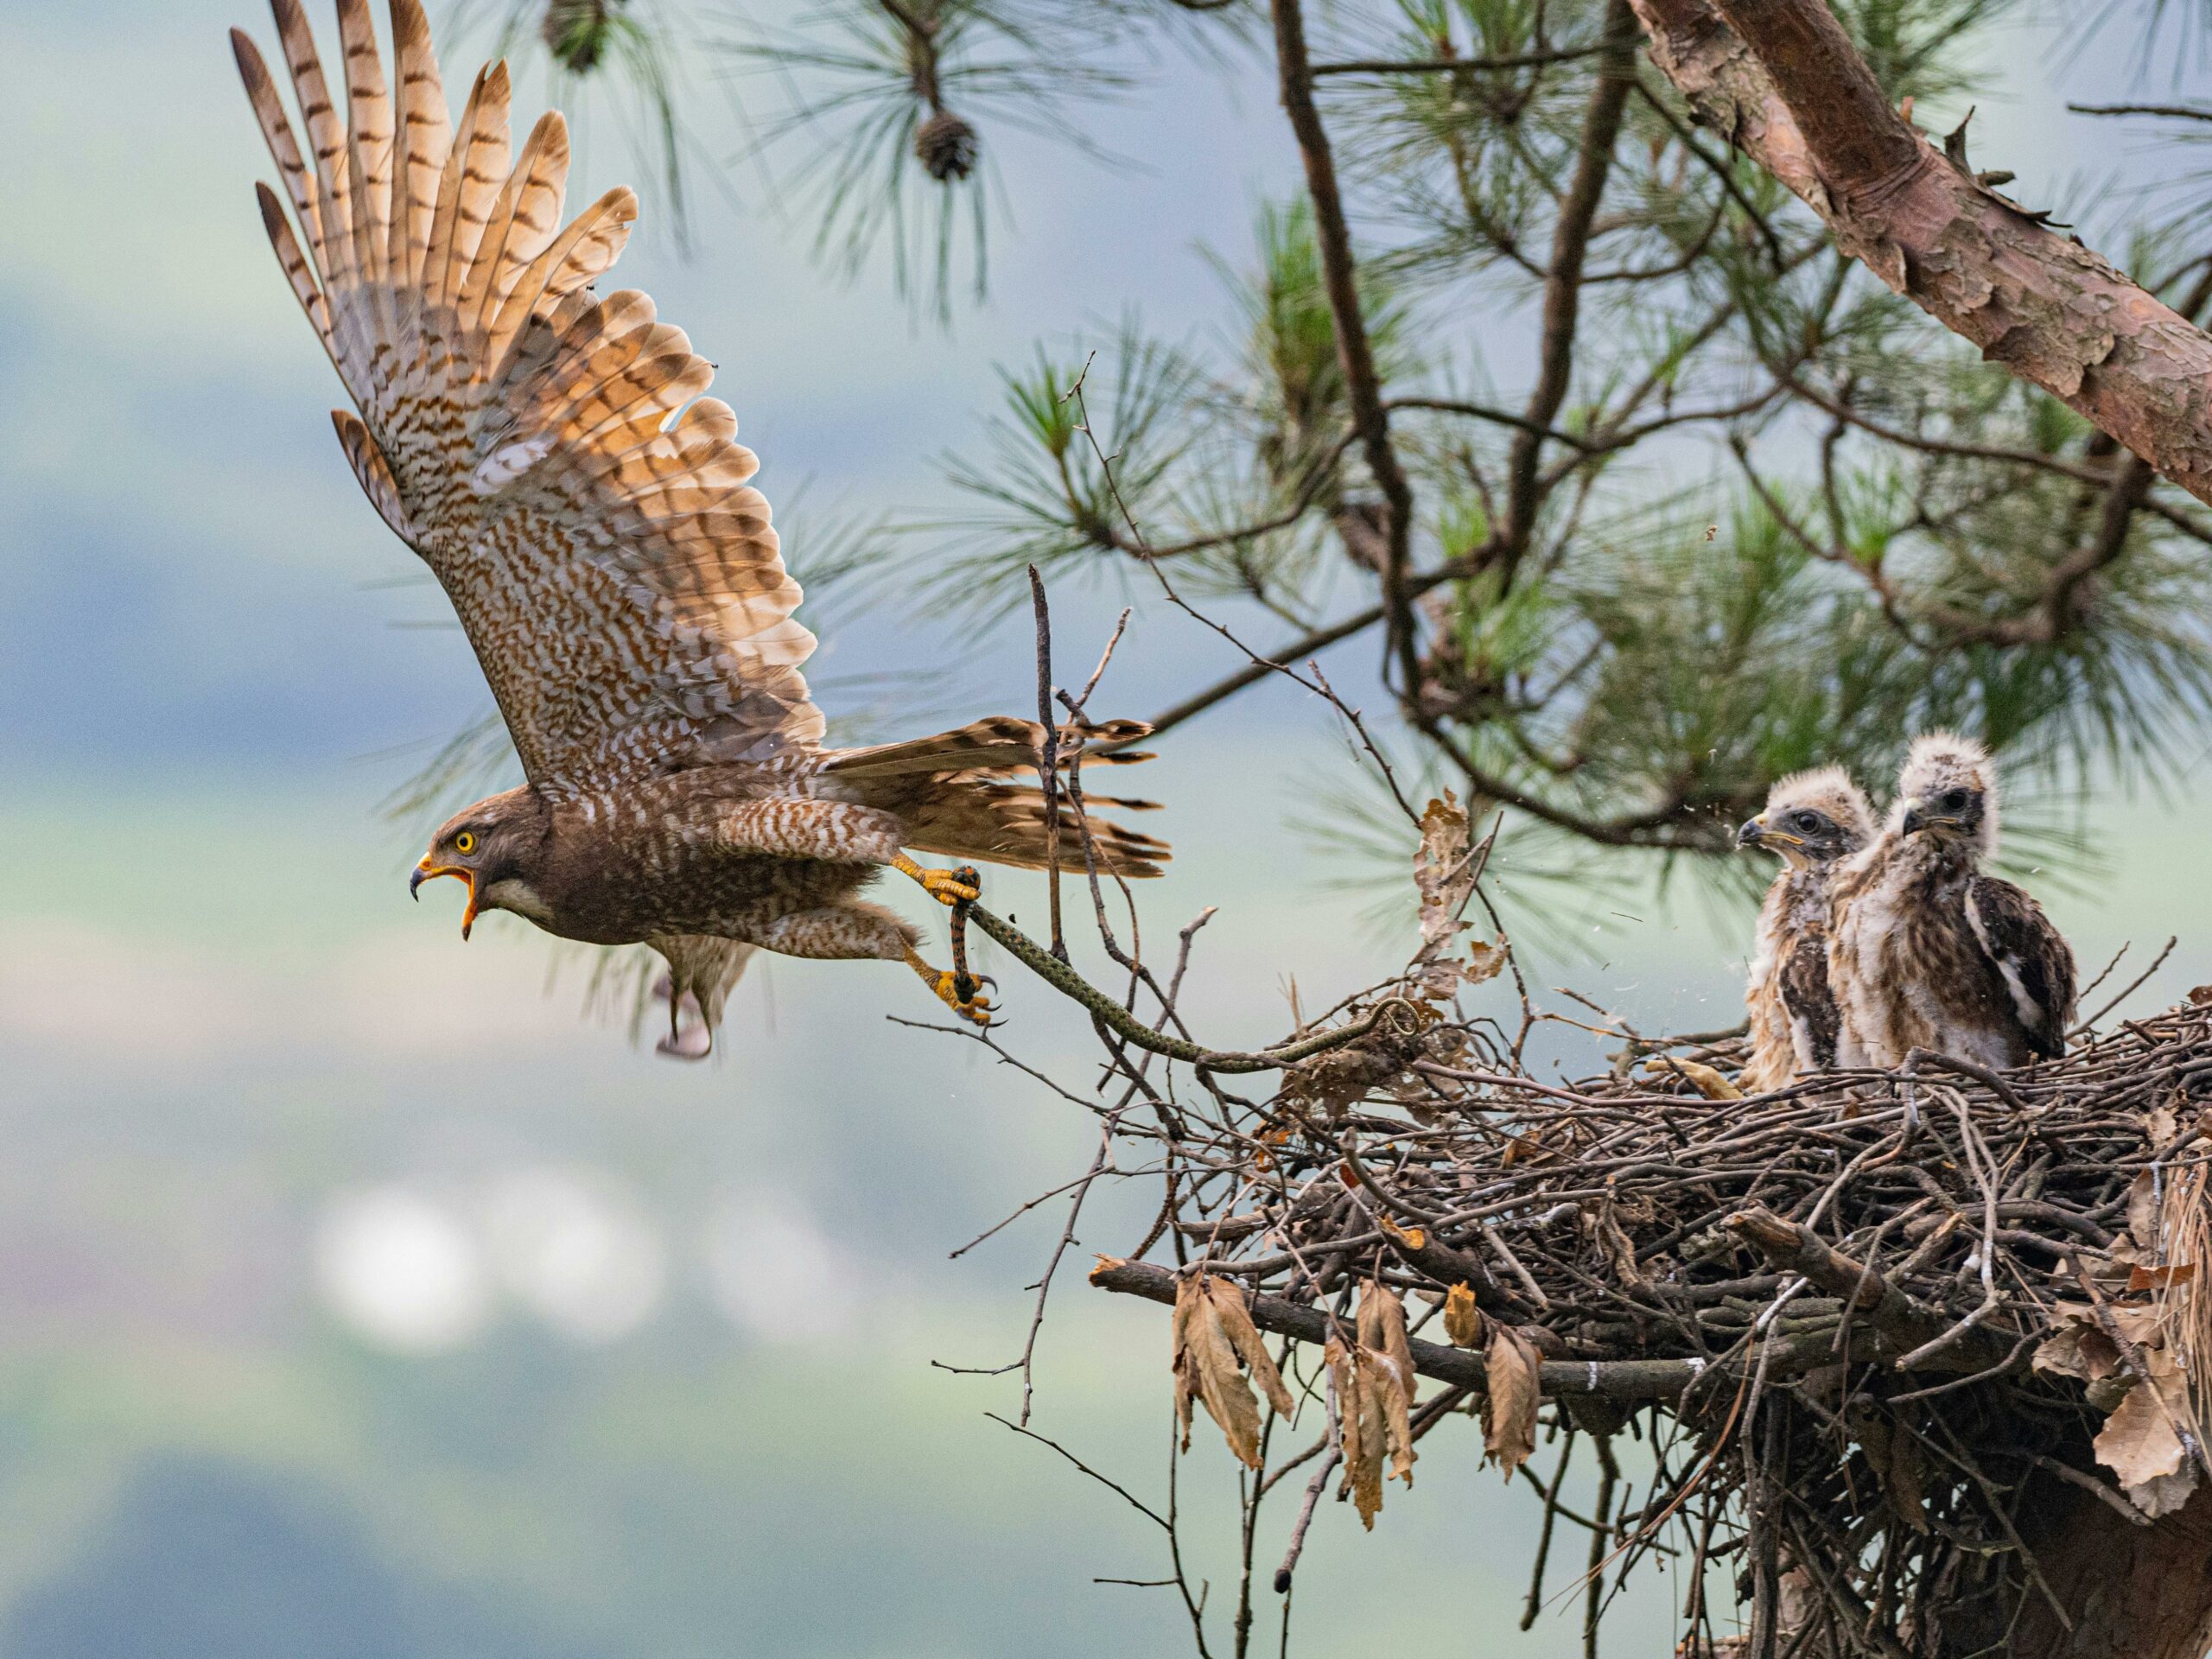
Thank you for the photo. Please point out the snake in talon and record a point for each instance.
(968, 986)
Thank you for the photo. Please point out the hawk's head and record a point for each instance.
(1948, 790)
(1812, 818)
(492, 846)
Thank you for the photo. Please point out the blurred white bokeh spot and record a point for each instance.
(775, 1273)
(402, 1269)
(573, 1247)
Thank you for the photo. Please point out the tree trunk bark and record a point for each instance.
(1784, 83)
(2133, 1591)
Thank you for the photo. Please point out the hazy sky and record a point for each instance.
(188, 573)
(220, 1023)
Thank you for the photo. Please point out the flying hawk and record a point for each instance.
(1814, 820)
(552, 456)
(1924, 950)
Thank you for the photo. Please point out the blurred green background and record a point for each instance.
(359, 1297)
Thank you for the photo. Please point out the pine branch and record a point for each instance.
(1784, 82)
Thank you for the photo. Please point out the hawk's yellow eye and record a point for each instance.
(464, 843)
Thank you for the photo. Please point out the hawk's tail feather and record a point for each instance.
(999, 743)
(1005, 823)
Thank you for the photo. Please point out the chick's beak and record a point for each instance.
(427, 870)
(1752, 833)
(1915, 820)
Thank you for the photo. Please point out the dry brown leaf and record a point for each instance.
(2119, 1260)
(2082, 1349)
(2143, 1278)
(1204, 1358)
(2162, 1126)
(1397, 1414)
(1510, 1398)
(1362, 1459)
(1444, 871)
(1382, 1327)
(2141, 1442)
(2078, 1349)
(1230, 1308)
(1372, 1426)
(2138, 1324)
(1361, 1432)
(2143, 1212)
(1435, 982)
(1463, 1320)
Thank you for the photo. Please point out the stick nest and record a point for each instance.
(1875, 1327)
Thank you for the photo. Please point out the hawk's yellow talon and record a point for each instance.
(944, 985)
(943, 885)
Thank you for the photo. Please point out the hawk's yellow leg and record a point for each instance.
(943, 885)
(944, 985)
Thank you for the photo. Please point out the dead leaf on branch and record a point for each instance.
(2142, 1278)
(2079, 1348)
(2162, 1127)
(1382, 1327)
(1463, 1320)
(1445, 870)
(1213, 1332)
(2141, 1441)
(2143, 1206)
(1374, 1425)
(1510, 1398)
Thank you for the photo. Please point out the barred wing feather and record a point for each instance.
(548, 452)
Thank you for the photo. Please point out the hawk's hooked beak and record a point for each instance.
(1756, 834)
(427, 871)
(1915, 820)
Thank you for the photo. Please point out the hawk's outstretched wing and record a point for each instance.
(616, 574)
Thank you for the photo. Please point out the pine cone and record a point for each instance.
(945, 146)
(575, 32)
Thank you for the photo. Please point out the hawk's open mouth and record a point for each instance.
(427, 871)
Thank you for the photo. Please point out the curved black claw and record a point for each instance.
(967, 1000)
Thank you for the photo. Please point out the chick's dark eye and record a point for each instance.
(464, 843)
(1808, 822)
(1954, 800)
